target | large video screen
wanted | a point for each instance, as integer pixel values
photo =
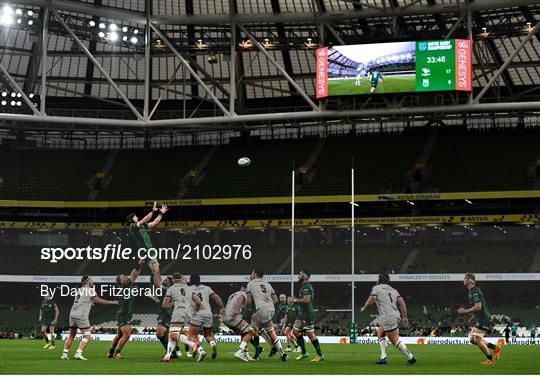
(398, 67)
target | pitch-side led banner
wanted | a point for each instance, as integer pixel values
(395, 67)
(326, 339)
(276, 278)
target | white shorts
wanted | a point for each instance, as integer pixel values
(203, 319)
(389, 322)
(263, 317)
(180, 316)
(236, 323)
(79, 322)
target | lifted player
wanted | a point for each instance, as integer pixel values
(264, 297)
(202, 316)
(48, 316)
(483, 320)
(79, 317)
(387, 300)
(179, 296)
(305, 322)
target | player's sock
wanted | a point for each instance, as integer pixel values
(186, 341)
(317, 347)
(51, 338)
(491, 345)
(255, 342)
(171, 345)
(276, 344)
(66, 351)
(164, 342)
(489, 356)
(117, 351)
(79, 352)
(111, 350)
(301, 343)
(243, 345)
(383, 343)
(404, 350)
(266, 336)
(186, 347)
(46, 338)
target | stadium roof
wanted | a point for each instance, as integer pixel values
(186, 71)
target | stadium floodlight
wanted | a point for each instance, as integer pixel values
(31, 95)
(134, 40)
(6, 20)
(18, 12)
(19, 95)
(102, 25)
(30, 22)
(4, 93)
(124, 29)
(125, 38)
(4, 103)
(113, 36)
(19, 103)
(13, 95)
(12, 103)
(113, 27)
(7, 10)
(92, 23)
(30, 13)
(101, 34)
(135, 31)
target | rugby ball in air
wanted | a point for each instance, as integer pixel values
(244, 161)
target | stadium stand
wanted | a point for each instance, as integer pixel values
(268, 175)
(48, 174)
(502, 163)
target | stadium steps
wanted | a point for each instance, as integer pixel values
(105, 170)
(409, 260)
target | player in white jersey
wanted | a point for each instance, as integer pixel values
(264, 298)
(388, 300)
(233, 319)
(179, 297)
(202, 316)
(79, 316)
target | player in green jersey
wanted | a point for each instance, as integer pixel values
(374, 77)
(305, 322)
(126, 308)
(48, 316)
(291, 313)
(281, 308)
(483, 321)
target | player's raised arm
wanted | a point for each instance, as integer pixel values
(136, 271)
(156, 221)
(403, 308)
(148, 216)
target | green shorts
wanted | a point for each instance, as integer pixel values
(164, 318)
(124, 318)
(483, 323)
(308, 321)
(47, 322)
(289, 324)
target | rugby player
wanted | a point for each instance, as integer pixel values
(79, 317)
(387, 300)
(291, 313)
(306, 316)
(483, 321)
(48, 316)
(124, 315)
(202, 316)
(374, 77)
(264, 297)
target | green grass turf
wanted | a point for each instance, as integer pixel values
(27, 357)
(390, 84)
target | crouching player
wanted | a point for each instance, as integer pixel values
(79, 317)
(387, 300)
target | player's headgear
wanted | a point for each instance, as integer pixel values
(177, 276)
(383, 278)
(194, 280)
(129, 217)
(259, 272)
(470, 276)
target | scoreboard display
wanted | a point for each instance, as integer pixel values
(400, 67)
